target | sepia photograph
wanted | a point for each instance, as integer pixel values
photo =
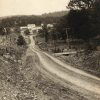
(49, 49)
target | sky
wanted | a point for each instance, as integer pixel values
(31, 7)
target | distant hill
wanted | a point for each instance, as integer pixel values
(23, 20)
(55, 14)
(52, 14)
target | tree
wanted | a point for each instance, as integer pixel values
(27, 32)
(2, 31)
(54, 37)
(82, 20)
(79, 24)
(21, 41)
(61, 28)
(5, 31)
(45, 30)
(81, 4)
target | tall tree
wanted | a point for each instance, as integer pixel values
(81, 4)
(21, 41)
(82, 19)
(45, 30)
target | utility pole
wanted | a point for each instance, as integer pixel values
(67, 38)
(5, 30)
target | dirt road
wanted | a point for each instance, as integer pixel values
(76, 79)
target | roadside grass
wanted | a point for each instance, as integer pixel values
(52, 47)
(87, 61)
(44, 87)
(25, 82)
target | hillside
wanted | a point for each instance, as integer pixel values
(23, 20)
(55, 14)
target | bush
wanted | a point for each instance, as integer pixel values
(21, 41)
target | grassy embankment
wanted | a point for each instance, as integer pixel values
(20, 79)
(87, 61)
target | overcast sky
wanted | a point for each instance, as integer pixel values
(29, 7)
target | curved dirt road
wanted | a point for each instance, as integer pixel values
(82, 82)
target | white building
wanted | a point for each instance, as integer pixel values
(23, 28)
(31, 26)
(33, 29)
(36, 29)
(50, 25)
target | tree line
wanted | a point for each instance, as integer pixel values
(82, 21)
(24, 20)
(18, 21)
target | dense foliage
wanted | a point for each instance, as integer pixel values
(24, 20)
(81, 4)
(82, 21)
(21, 41)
